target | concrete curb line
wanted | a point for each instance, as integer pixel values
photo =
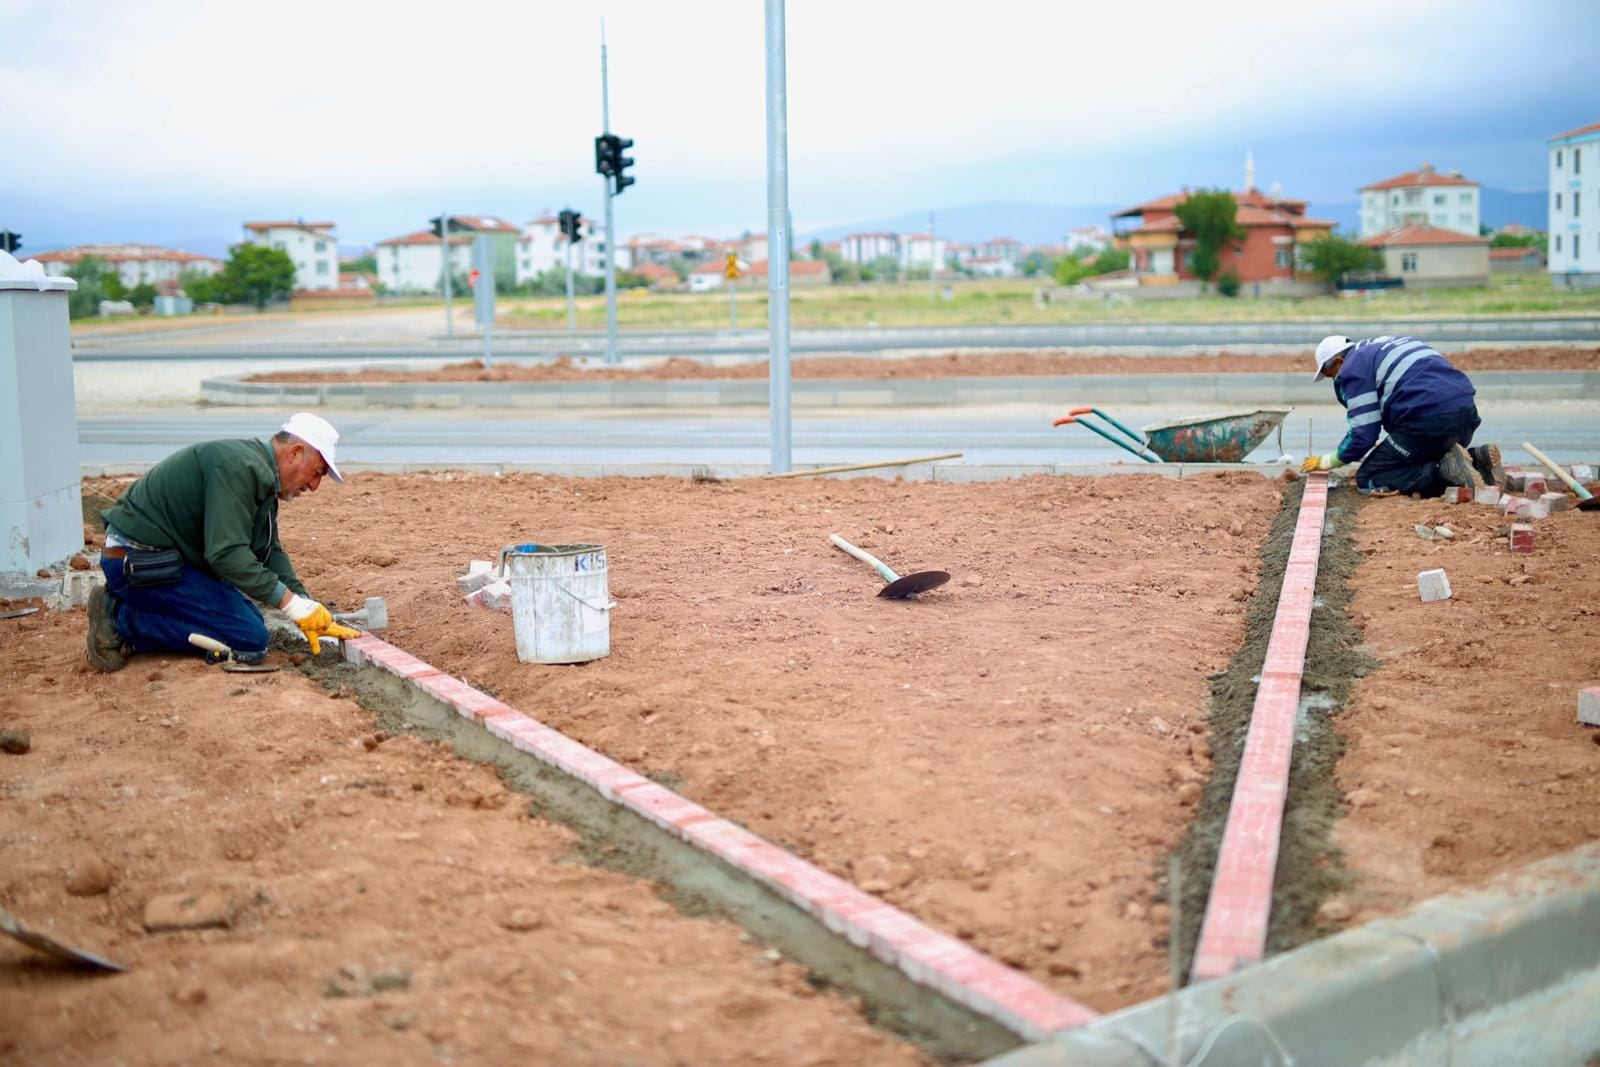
(931, 959)
(232, 390)
(1234, 931)
(1507, 973)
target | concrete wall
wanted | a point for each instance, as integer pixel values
(41, 510)
(1439, 266)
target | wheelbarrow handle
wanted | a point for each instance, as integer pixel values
(1071, 416)
(1134, 442)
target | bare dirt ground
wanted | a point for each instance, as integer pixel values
(951, 365)
(1463, 757)
(1011, 759)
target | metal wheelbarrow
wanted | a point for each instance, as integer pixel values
(1225, 437)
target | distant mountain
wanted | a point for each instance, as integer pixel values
(1032, 224)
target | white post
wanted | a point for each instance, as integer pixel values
(778, 240)
(41, 501)
(444, 253)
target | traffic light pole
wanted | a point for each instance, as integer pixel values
(444, 256)
(778, 239)
(612, 356)
(933, 259)
(572, 311)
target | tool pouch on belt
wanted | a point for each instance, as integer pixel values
(144, 567)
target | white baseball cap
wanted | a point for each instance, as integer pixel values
(319, 433)
(1329, 349)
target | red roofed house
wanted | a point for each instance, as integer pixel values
(1515, 260)
(312, 247)
(1428, 257)
(1159, 251)
(134, 264)
(659, 276)
(412, 263)
(801, 272)
(1420, 197)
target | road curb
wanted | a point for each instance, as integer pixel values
(1507, 973)
(927, 957)
(811, 393)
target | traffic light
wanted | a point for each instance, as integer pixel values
(439, 223)
(610, 162)
(571, 222)
(9, 241)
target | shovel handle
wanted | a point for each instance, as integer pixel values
(870, 560)
(1572, 483)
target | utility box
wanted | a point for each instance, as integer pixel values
(41, 496)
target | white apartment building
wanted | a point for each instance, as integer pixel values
(543, 247)
(312, 247)
(917, 250)
(1007, 249)
(413, 263)
(863, 248)
(1421, 197)
(1575, 208)
(1082, 240)
(134, 264)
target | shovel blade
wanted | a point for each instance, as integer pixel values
(908, 586)
(51, 947)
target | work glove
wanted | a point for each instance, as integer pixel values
(315, 622)
(1321, 463)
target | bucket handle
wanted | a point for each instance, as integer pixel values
(585, 603)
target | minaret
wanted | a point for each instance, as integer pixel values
(1249, 171)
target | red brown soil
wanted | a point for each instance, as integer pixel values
(1464, 758)
(951, 365)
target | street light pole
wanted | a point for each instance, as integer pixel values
(444, 256)
(572, 312)
(933, 244)
(778, 239)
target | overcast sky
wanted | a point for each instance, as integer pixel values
(175, 121)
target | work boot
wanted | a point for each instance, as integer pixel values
(106, 650)
(1456, 468)
(1486, 459)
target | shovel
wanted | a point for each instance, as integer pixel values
(49, 947)
(899, 588)
(1587, 501)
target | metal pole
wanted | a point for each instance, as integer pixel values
(612, 355)
(933, 243)
(572, 311)
(778, 240)
(733, 304)
(444, 255)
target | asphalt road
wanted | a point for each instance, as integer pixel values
(1021, 434)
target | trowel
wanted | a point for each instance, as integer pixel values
(900, 587)
(217, 652)
(50, 947)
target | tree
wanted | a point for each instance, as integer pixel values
(1071, 271)
(885, 267)
(367, 264)
(142, 296)
(1519, 240)
(1037, 263)
(95, 280)
(257, 274)
(1335, 256)
(1210, 216)
(1228, 283)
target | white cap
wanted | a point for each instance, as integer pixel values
(1329, 349)
(317, 432)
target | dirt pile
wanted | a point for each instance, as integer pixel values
(950, 365)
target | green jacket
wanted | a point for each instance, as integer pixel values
(216, 503)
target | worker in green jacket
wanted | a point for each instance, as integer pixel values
(192, 542)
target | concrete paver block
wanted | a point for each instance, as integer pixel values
(1589, 706)
(495, 595)
(1520, 540)
(1532, 509)
(1535, 484)
(1555, 501)
(1433, 585)
(480, 572)
(1510, 504)
(1457, 494)
(1583, 472)
(1489, 495)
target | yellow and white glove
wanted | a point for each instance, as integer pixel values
(1321, 463)
(315, 622)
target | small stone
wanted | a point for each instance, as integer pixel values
(369, 742)
(90, 877)
(1416, 792)
(1334, 910)
(187, 911)
(1189, 793)
(42, 573)
(1235, 528)
(522, 920)
(1135, 911)
(296, 658)
(16, 742)
(1161, 915)
(1424, 532)
(191, 992)
(1444, 533)
(80, 562)
(1063, 969)
(1433, 585)
(1362, 798)
(1180, 773)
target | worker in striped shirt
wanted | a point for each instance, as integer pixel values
(1423, 406)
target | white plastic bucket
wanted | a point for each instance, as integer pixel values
(560, 603)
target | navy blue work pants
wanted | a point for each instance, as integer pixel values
(160, 618)
(1407, 459)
